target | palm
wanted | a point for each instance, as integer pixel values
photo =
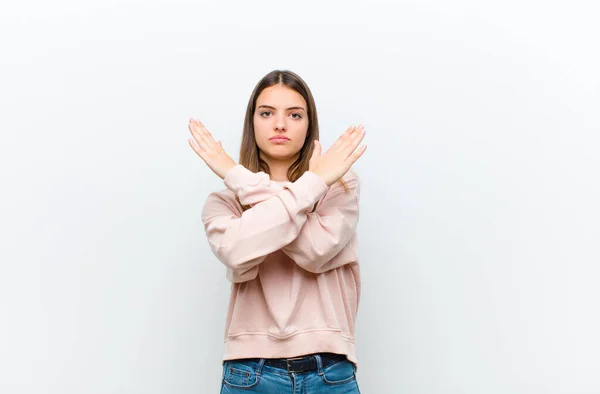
(338, 159)
(209, 150)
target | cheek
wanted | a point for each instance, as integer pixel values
(298, 143)
(260, 133)
(302, 134)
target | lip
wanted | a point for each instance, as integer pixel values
(279, 139)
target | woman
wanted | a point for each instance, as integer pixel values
(285, 230)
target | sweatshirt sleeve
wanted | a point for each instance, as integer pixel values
(241, 241)
(250, 187)
(328, 230)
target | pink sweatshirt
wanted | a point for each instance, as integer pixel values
(295, 273)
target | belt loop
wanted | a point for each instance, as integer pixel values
(261, 363)
(319, 364)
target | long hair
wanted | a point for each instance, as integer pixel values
(249, 151)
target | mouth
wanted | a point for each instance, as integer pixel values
(279, 139)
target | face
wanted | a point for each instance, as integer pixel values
(280, 112)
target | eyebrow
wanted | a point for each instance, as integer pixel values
(268, 106)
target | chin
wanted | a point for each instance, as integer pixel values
(281, 155)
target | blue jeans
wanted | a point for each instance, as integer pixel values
(245, 376)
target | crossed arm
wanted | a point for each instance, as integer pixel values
(280, 217)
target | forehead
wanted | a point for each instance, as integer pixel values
(280, 96)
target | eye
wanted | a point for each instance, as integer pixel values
(299, 116)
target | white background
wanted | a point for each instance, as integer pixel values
(479, 224)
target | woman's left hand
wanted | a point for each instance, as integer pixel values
(210, 151)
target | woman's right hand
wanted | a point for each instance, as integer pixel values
(333, 164)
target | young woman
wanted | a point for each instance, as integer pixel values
(284, 228)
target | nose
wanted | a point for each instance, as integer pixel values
(280, 123)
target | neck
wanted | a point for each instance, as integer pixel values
(279, 174)
(279, 168)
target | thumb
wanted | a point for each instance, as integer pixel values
(317, 150)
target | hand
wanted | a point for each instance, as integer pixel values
(210, 151)
(339, 158)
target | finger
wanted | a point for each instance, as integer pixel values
(206, 141)
(196, 149)
(202, 135)
(317, 149)
(195, 132)
(195, 145)
(198, 130)
(206, 133)
(354, 140)
(196, 122)
(342, 138)
(345, 136)
(347, 142)
(353, 157)
(348, 146)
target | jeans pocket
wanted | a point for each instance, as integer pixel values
(339, 373)
(239, 375)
